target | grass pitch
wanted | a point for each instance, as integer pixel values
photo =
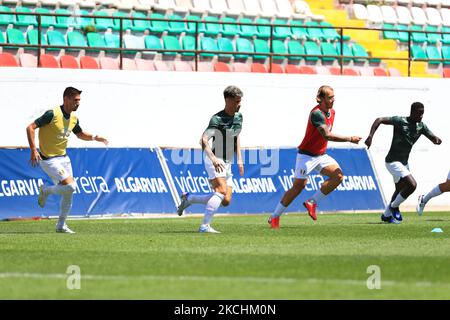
(168, 259)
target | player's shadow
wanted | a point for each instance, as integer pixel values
(179, 232)
(25, 232)
(436, 220)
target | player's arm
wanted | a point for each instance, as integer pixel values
(87, 136)
(328, 135)
(239, 156)
(375, 125)
(430, 135)
(35, 157)
(210, 132)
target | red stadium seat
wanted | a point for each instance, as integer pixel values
(69, 62)
(446, 73)
(8, 60)
(204, 66)
(258, 67)
(48, 61)
(290, 68)
(380, 72)
(109, 63)
(182, 66)
(145, 65)
(221, 67)
(335, 71)
(276, 68)
(350, 72)
(307, 70)
(87, 62)
(161, 66)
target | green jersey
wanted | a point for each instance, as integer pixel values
(224, 129)
(405, 135)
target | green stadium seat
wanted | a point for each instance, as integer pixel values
(278, 47)
(230, 30)
(127, 24)
(328, 49)
(171, 43)
(83, 22)
(263, 31)
(347, 51)
(65, 22)
(210, 29)
(433, 37)
(191, 26)
(2, 37)
(15, 36)
(243, 46)
(311, 48)
(140, 25)
(331, 33)
(298, 29)
(433, 53)
(446, 54)
(445, 37)
(417, 52)
(55, 38)
(102, 24)
(208, 44)
(248, 30)
(188, 43)
(314, 33)
(95, 39)
(32, 37)
(46, 21)
(261, 46)
(403, 36)
(295, 47)
(25, 20)
(225, 45)
(416, 36)
(6, 19)
(359, 51)
(158, 26)
(176, 26)
(281, 32)
(76, 39)
(112, 41)
(387, 34)
(153, 42)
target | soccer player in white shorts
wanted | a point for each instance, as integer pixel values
(436, 191)
(55, 127)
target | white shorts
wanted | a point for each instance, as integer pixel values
(448, 177)
(57, 168)
(398, 170)
(212, 173)
(305, 164)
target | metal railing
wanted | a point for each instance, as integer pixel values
(121, 49)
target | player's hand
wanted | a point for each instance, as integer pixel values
(219, 165)
(241, 168)
(355, 139)
(437, 141)
(101, 139)
(35, 158)
(368, 142)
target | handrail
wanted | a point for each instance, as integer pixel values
(197, 52)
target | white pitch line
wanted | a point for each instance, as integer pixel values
(6, 275)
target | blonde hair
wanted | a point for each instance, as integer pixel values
(322, 92)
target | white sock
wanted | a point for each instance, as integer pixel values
(398, 200)
(433, 193)
(278, 210)
(387, 211)
(203, 199)
(212, 206)
(318, 196)
(66, 205)
(59, 189)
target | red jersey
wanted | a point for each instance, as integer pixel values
(314, 143)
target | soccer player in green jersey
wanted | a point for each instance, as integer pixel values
(224, 128)
(407, 130)
(436, 191)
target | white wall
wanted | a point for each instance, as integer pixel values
(133, 108)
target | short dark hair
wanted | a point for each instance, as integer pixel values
(232, 92)
(417, 105)
(71, 92)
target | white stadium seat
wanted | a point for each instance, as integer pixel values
(419, 16)
(434, 17)
(236, 6)
(389, 15)
(374, 14)
(404, 15)
(445, 13)
(252, 8)
(285, 10)
(268, 8)
(360, 11)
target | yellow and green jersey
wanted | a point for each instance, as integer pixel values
(405, 136)
(224, 129)
(55, 127)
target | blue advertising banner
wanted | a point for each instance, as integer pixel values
(269, 173)
(109, 181)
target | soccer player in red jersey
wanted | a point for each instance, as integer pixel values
(312, 157)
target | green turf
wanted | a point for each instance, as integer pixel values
(168, 259)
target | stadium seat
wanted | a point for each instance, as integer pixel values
(276, 68)
(282, 31)
(188, 43)
(252, 8)
(311, 48)
(404, 15)
(366, 71)
(268, 8)
(28, 60)
(418, 15)
(295, 47)
(323, 70)
(350, 72)
(446, 73)
(221, 67)
(145, 65)
(328, 49)
(263, 28)
(393, 72)
(109, 63)
(248, 29)
(220, 7)
(48, 61)
(389, 15)
(433, 16)
(15, 36)
(433, 53)
(161, 66)
(245, 46)
(225, 45)
(307, 70)
(285, 9)
(258, 68)
(127, 24)
(278, 47)
(433, 37)
(241, 67)
(140, 25)
(158, 26)
(7, 19)
(55, 38)
(182, 66)
(87, 62)
(103, 23)
(25, 20)
(390, 34)
(446, 54)
(380, 72)
(374, 14)
(8, 60)
(298, 30)
(176, 27)
(236, 7)
(69, 62)
(262, 48)
(290, 68)
(208, 44)
(335, 71)
(204, 66)
(314, 34)
(76, 39)
(153, 42)
(230, 30)
(65, 22)
(133, 42)
(32, 37)
(128, 64)
(360, 11)
(445, 14)
(171, 43)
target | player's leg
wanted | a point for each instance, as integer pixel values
(220, 188)
(436, 191)
(405, 184)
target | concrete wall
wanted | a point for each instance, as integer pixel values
(133, 108)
